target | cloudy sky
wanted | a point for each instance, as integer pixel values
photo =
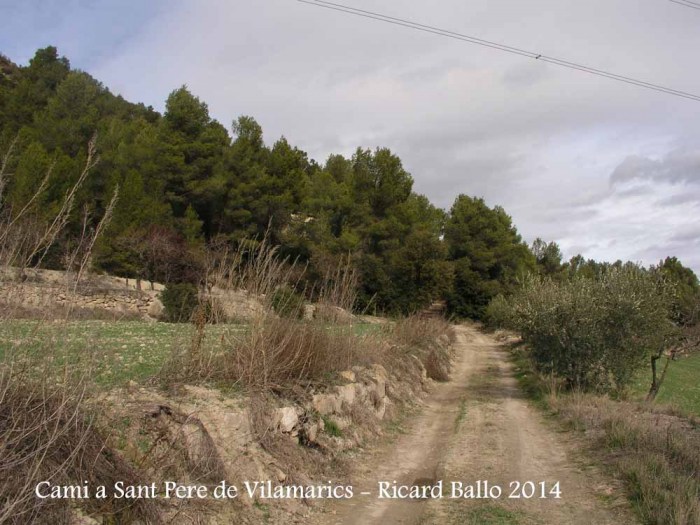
(605, 169)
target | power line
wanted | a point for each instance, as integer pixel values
(686, 3)
(500, 47)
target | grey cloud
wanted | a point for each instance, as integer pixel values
(691, 236)
(635, 190)
(680, 165)
(524, 76)
(689, 196)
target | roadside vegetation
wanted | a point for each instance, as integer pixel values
(681, 387)
(59, 376)
(654, 449)
(594, 341)
(92, 183)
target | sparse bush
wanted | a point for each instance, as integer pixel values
(421, 332)
(429, 339)
(594, 333)
(179, 302)
(48, 433)
(497, 312)
(339, 287)
(287, 303)
(276, 353)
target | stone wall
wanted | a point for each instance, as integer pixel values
(48, 297)
(49, 291)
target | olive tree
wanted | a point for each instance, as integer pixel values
(594, 333)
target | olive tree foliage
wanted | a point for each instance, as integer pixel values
(595, 334)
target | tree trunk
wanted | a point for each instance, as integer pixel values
(656, 382)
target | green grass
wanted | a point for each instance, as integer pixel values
(331, 427)
(361, 329)
(357, 329)
(122, 350)
(681, 387)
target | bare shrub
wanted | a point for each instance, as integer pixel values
(253, 266)
(339, 287)
(24, 238)
(429, 338)
(48, 431)
(48, 434)
(284, 351)
(274, 354)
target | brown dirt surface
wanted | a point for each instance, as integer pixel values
(479, 426)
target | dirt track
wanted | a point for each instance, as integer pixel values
(475, 427)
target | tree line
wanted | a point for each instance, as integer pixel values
(187, 185)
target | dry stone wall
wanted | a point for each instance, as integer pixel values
(48, 297)
(45, 291)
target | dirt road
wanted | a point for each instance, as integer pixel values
(477, 427)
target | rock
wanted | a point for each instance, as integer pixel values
(421, 367)
(288, 419)
(281, 476)
(360, 391)
(156, 410)
(348, 375)
(311, 431)
(309, 310)
(202, 455)
(79, 518)
(346, 394)
(379, 376)
(379, 371)
(326, 404)
(156, 309)
(380, 410)
(333, 314)
(237, 304)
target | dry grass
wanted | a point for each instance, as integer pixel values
(654, 448)
(282, 354)
(273, 354)
(656, 452)
(430, 339)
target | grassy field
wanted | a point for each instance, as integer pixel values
(681, 386)
(121, 351)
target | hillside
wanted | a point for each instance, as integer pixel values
(186, 181)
